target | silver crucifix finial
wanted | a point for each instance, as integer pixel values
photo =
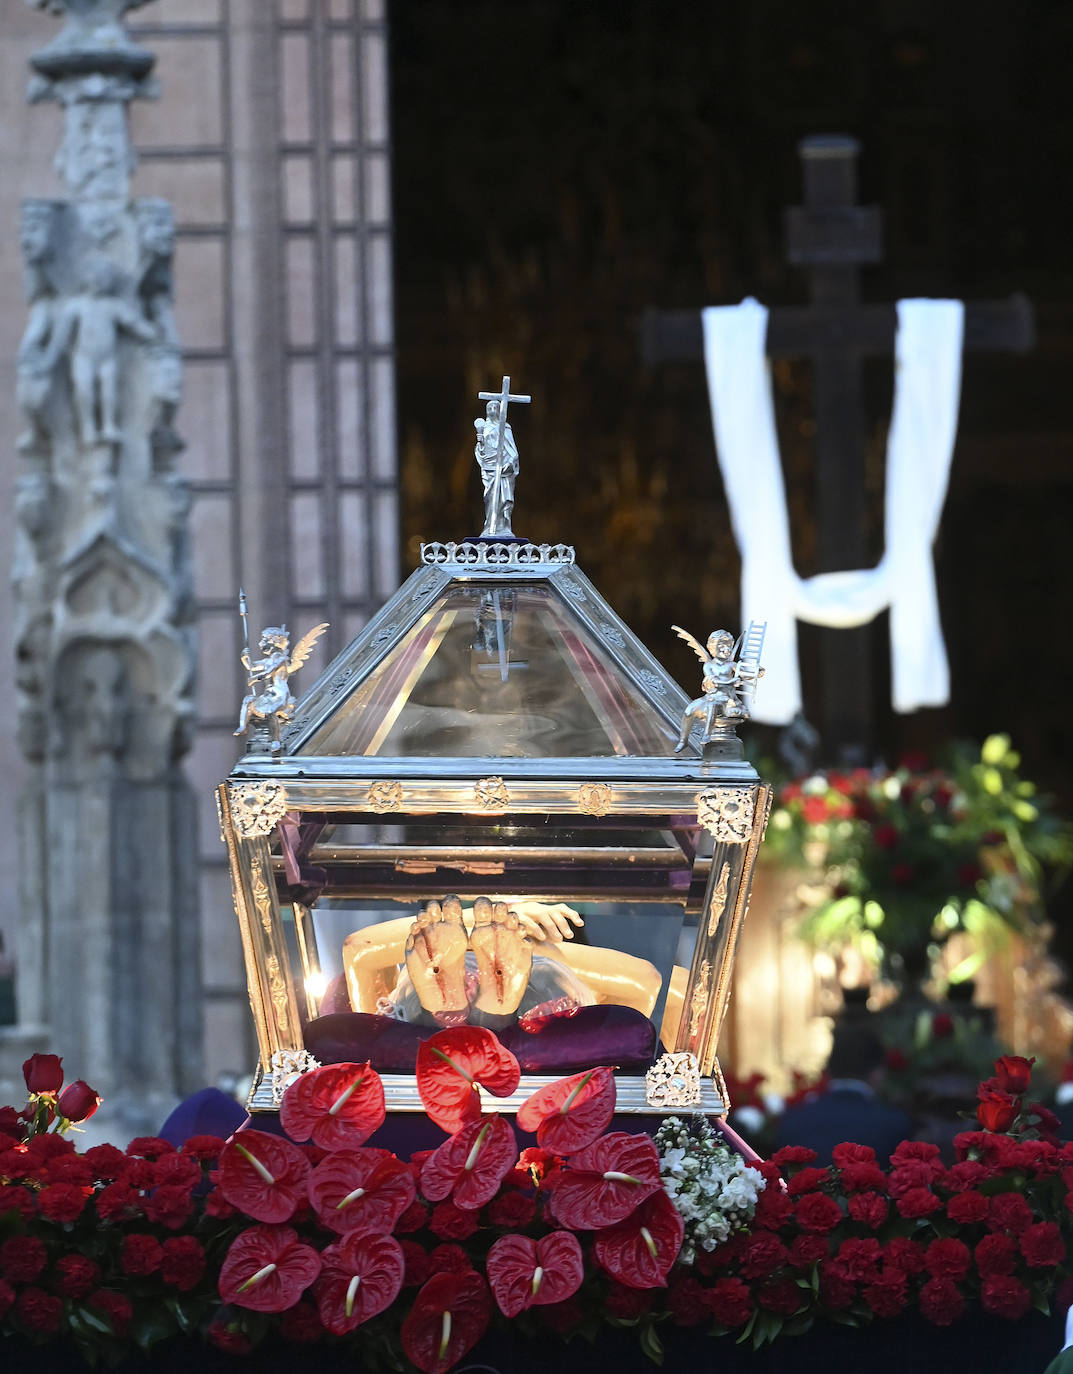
(497, 457)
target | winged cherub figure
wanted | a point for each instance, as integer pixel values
(270, 697)
(728, 683)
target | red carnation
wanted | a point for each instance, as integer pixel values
(904, 1254)
(449, 1316)
(817, 1212)
(40, 1313)
(764, 1253)
(140, 1254)
(1009, 1212)
(62, 1202)
(7, 1297)
(116, 1201)
(78, 1101)
(1005, 1297)
(416, 1259)
(267, 1269)
(640, 1250)
(106, 1162)
(730, 1302)
(1042, 1245)
(807, 1250)
(361, 1276)
(511, 1210)
(808, 1180)
(182, 1262)
(836, 1290)
(773, 1209)
(263, 1175)
(178, 1170)
(941, 1301)
(338, 1106)
(75, 1276)
(413, 1219)
(917, 1152)
(115, 1308)
(780, 1295)
(850, 1153)
(301, 1324)
(22, 1258)
(1013, 1073)
(965, 1208)
(229, 1337)
(43, 1073)
(449, 1222)
(887, 1295)
(942, 1025)
(170, 1206)
(15, 1198)
(205, 1148)
(947, 1259)
(870, 1209)
(448, 1259)
(858, 1259)
(687, 1301)
(150, 1147)
(523, 1273)
(996, 1255)
(918, 1202)
(793, 1154)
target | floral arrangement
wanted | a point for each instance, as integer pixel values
(908, 856)
(321, 1237)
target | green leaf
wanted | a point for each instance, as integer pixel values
(151, 1325)
(651, 1344)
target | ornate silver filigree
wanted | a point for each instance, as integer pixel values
(491, 794)
(256, 806)
(594, 798)
(472, 555)
(727, 813)
(673, 1081)
(385, 796)
(612, 635)
(285, 1067)
(719, 899)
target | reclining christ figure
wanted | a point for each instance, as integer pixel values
(489, 965)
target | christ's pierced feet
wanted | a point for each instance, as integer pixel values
(436, 959)
(504, 958)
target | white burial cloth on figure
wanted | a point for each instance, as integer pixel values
(920, 445)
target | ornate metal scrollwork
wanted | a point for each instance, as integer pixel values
(594, 798)
(385, 796)
(673, 1081)
(698, 1003)
(491, 794)
(277, 991)
(285, 1067)
(256, 806)
(727, 813)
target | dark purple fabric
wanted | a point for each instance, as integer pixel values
(593, 1035)
(208, 1112)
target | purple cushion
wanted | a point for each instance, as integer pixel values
(614, 1035)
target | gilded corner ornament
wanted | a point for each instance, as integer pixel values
(727, 813)
(491, 794)
(698, 1003)
(256, 806)
(285, 1067)
(385, 796)
(594, 798)
(673, 1081)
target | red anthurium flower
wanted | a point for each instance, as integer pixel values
(525, 1273)
(360, 1276)
(363, 1189)
(640, 1250)
(43, 1073)
(449, 1316)
(470, 1166)
(571, 1113)
(263, 1175)
(78, 1101)
(338, 1106)
(267, 1269)
(449, 1066)
(606, 1182)
(1014, 1073)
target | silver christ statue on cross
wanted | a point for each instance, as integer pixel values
(497, 457)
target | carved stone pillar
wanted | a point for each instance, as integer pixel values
(104, 604)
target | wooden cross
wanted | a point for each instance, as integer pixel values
(832, 237)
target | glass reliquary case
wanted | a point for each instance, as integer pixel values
(478, 815)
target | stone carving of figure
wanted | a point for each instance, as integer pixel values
(270, 697)
(34, 362)
(156, 246)
(88, 327)
(498, 471)
(728, 685)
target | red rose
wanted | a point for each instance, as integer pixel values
(415, 1216)
(1005, 1297)
(1009, 1212)
(947, 1259)
(512, 1210)
(941, 1302)
(805, 1251)
(918, 1202)
(140, 1254)
(22, 1258)
(40, 1313)
(62, 1202)
(628, 1303)
(1042, 1245)
(886, 1297)
(997, 1110)
(966, 1208)
(452, 1223)
(808, 1180)
(78, 1101)
(150, 1147)
(730, 1302)
(182, 1262)
(868, 1208)
(418, 1268)
(448, 1259)
(229, 1337)
(817, 1212)
(1014, 1073)
(75, 1276)
(301, 1324)
(43, 1073)
(687, 1301)
(942, 1025)
(764, 1253)
(995, 1255)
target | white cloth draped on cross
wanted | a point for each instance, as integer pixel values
(919, 449)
